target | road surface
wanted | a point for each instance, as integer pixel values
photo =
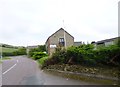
(21, 70)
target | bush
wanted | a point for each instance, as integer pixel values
(38, 55)
(86, 55)
(20, 51)
(42, 60)
(8, 54)
(59, 56)
(41, 48)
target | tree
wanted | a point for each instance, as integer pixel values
(42, 48)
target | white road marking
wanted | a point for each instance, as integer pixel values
(17, 61)
(10, 68)
(67, 79)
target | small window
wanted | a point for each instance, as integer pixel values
(61, 42)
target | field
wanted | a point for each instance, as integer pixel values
(8, 49)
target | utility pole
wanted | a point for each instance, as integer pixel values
(63, 24)
(64, 34)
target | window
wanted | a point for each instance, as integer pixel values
(61, 42)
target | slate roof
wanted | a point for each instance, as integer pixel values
(58, 31)
(107, 40)
(77, 43)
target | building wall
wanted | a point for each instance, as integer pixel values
(54, 40)
(69, 40)
(109, 43)
(106, 43)
(77, 43)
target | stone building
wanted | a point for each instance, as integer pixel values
(60, 38)
(106, 42)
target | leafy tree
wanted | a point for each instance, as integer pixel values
(41, 48)
(21, 51)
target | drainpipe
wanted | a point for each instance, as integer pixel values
(64, 38)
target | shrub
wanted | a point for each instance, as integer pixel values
(86, 55)
(20, 51)
(42, 60)
(41, 48)
(38, 55)
(8, 54)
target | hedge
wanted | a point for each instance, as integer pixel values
(87, 55)
(38, 55)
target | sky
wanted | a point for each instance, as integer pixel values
(31, 22)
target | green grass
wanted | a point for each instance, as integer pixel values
(6, 58)
(41, 61)
(4, 49)
(0, 61)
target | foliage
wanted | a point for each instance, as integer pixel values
(86, 55)
(118, 42)
(108, 55)
(41, 48)
(9, 46)
(8, 54)
(20, 51)
(42, 60)
(4, 49)
(57, 57)
(6, 58)
(31, 52)
(38, 55)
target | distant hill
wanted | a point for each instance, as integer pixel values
(8, 46)
(10, 50)
(11, 46)
(4, 49)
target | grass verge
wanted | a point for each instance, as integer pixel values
(0, 61)
(41, 61)
(4, 49)
(83, 78)
(105, 71)
(6, 58)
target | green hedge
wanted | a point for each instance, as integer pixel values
(87, 55)
(41, 48)
(20, 51)
(38, 55)
(42, 60)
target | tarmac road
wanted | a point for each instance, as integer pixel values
(21, 70)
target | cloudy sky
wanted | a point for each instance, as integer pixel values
(31, 22)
